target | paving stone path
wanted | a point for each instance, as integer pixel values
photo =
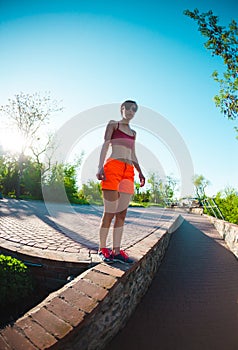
(64, 228)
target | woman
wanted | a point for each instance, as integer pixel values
(117, 180)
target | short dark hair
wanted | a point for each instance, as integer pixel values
(129, 102)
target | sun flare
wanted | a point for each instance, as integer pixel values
(11, 141)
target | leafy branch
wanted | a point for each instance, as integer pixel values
(221, 42)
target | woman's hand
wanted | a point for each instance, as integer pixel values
(142, 179)
(101, 175)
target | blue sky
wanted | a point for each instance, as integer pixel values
(90, 53)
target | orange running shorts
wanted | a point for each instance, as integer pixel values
(119, 176)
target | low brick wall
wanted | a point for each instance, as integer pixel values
(50, 273)
(228, 231)
(87, 312)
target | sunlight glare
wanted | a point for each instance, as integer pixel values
(11, 141)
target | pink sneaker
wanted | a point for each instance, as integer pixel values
(123, 258)
(106, 255)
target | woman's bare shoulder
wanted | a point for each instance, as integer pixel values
(111, 126)
(113, 122)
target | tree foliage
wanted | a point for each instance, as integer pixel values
(63, 177)
(227, 202)
(59, 177)
(200, 183)
(160, 191)
(30, 184)
(222, 42)
(27, 114)
(8, 174)
(92, 192)
(16, 282)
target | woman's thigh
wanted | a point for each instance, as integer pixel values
(110, 200)
(123, 201)
(115, 202)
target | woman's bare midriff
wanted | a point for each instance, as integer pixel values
(124, 154)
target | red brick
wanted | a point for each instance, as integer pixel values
(109, 270)
(65, 311)
(101, 279)
(16, 340)
(52, 323)
(36, 333)
(90, 289)
(3, 344)
(79, 300)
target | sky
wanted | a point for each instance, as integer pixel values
(96, 53)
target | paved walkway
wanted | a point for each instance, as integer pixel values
(192, 303)
(58, 228)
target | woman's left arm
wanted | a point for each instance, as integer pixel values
(137, 166)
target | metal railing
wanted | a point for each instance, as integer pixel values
(212, 208)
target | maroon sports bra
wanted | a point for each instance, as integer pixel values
(121, 138)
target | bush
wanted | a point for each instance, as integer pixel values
(228, 204)
(16, 282)
(92, 192)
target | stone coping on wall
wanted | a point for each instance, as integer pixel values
(44, 254)
(228, 232)
(50, 269)
(88, 311)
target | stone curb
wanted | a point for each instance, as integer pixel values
(228, 232)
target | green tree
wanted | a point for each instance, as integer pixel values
(8, 174)
(142, 197)
(227, 202)
(30, 184)
(70, 181)
(168, 189)
(221, 42)
(155, 187)
(200, 184)
(162, 190)
(60, 178)
(31, 179)
(92, 192)
(27, 114)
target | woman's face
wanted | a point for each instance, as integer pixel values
(128, 111)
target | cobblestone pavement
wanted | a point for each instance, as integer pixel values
(70, 229)
(192, 303)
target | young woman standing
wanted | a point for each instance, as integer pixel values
(117, 180)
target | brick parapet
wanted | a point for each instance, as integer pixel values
(87, 312)
(46, 271)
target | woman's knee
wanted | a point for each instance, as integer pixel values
(120, 216)
(107, 219)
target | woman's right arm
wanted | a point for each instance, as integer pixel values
(107, 139)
